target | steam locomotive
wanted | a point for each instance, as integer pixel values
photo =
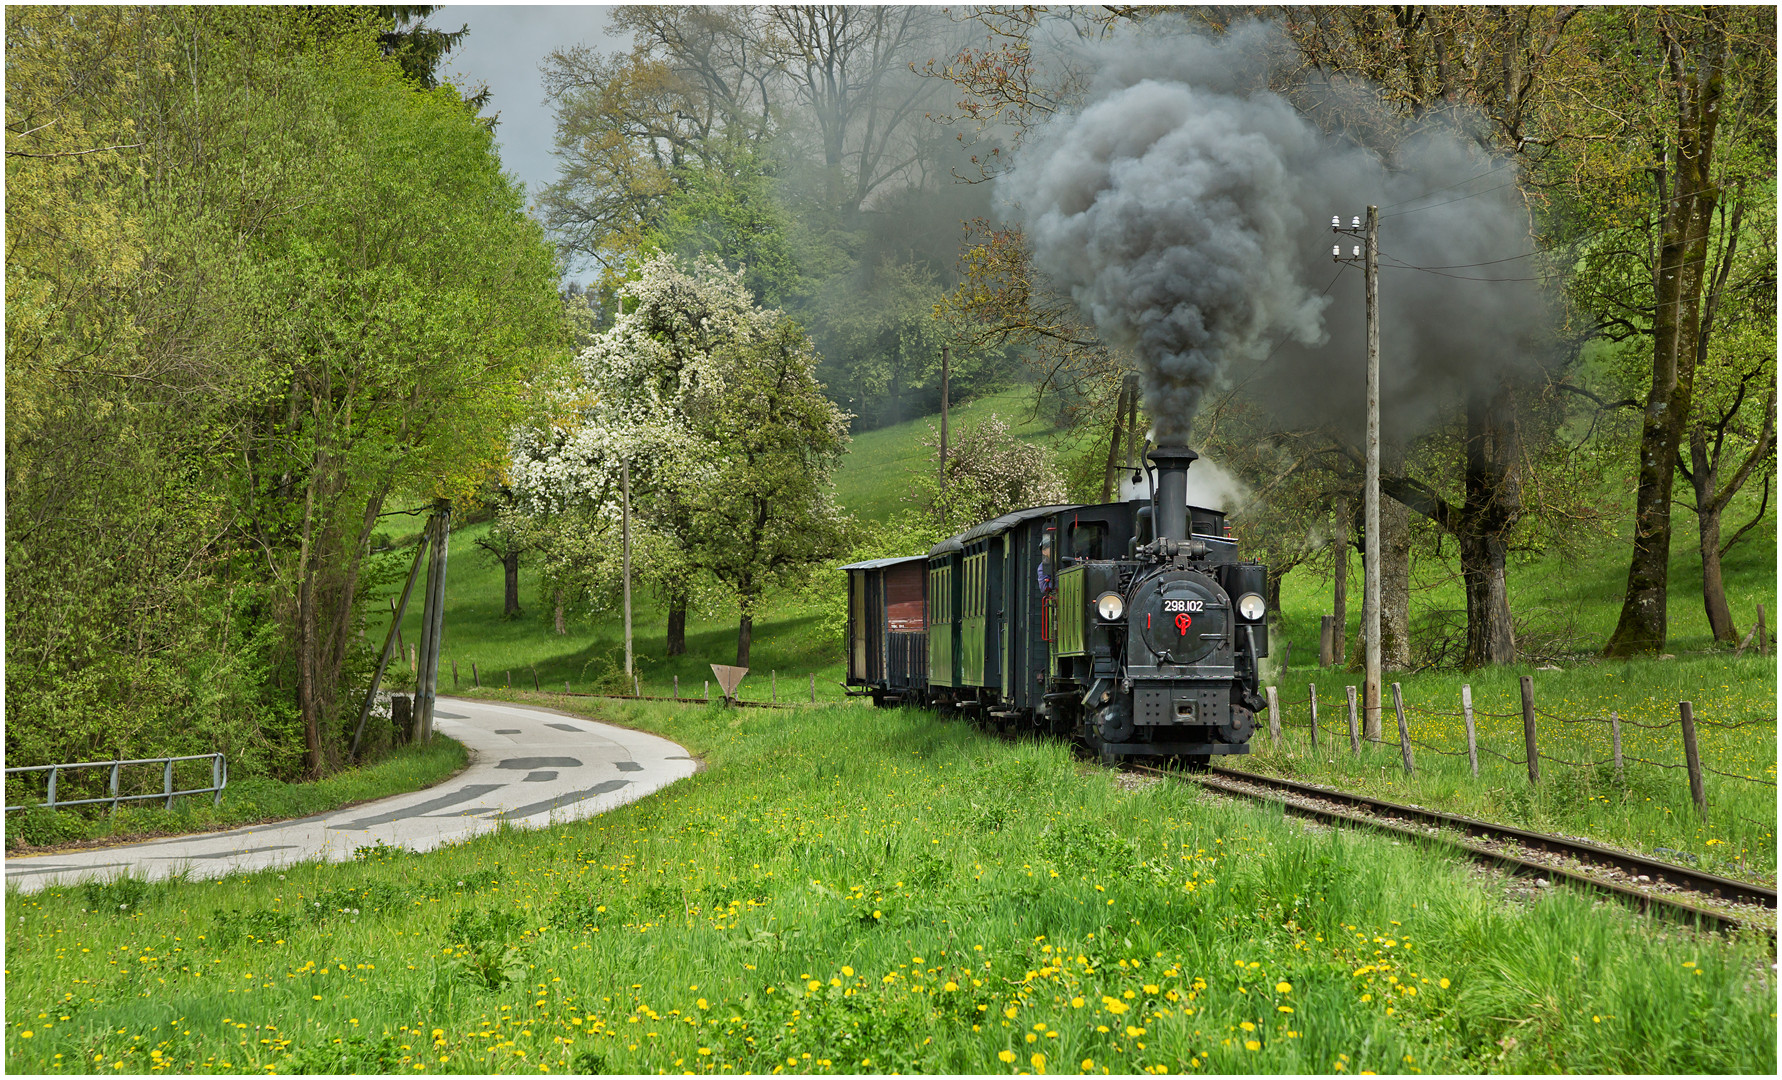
(1133, 627)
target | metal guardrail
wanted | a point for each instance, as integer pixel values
(219, 776)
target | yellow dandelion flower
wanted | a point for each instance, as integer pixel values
(1283, 988)
(1038, 1061)
(1252, 1044)
(1006, 1055)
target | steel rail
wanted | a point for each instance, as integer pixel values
(1226, 781)
(1697, 881)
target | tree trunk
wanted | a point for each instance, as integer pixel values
(1490, 508)
(745, 632)
(510, 572)
(1678, 276)
(677, 625)
(1720, 619)
(1395, 573)
(1339, 600)
(1712, 499)
(1490, 635)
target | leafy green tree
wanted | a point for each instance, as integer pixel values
(299, 336)
(766, 512)
(1653, 190)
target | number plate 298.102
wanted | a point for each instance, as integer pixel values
(1183, 605)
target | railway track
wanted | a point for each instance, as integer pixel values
(1649, 885)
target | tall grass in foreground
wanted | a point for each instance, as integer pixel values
(1647, 808)
(846, 889)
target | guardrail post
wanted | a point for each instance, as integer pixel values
(1693, 759)
(1404, 733)
(216, 779)
(1472, 738)
(1615, 734)
(708, 691)
(115, 766)
(1274, 717)
(168, 774)
(1313, 687)
(1354, 733)
(1528, 730)
(52, 788)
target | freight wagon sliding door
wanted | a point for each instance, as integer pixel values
(857, 623)
(906, 615)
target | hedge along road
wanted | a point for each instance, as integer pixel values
(528, 767)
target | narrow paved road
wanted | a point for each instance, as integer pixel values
(528, 767)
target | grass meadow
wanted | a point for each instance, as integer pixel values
(845, 889)
(1647, 808)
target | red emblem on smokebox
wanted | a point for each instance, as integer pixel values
(1183, 622)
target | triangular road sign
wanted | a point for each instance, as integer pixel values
(729, 678)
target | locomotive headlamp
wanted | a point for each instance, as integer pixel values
(1251, 607)
(1109, 606)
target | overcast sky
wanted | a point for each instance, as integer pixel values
(503, 49)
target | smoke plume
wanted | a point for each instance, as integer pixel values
(1186, 208)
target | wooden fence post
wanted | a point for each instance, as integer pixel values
(1528, 730)
(1313, 688)
(1404, 733)
(677, 688)
(708, 691)
(535, 683)
(454, 673)
(636, 685)
(1354, 734)
(1274, 717)
(1472, 738)
(510, 679)
(1763, 634)
(1615, 734)
(1693, 759)
(773, 686)
(475, 679)
(813, 688)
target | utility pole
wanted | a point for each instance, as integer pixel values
(946, 372)
(1370, 605)
(625, 533)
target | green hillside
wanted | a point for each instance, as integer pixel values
(1565, 599)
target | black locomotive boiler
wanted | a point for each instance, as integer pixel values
(1134, 627)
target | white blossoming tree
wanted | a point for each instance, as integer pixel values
(713, 402)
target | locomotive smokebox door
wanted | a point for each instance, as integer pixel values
(1185, 617)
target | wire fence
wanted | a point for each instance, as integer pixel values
(1531, 718)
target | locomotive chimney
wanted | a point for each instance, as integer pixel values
(1172, 490)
